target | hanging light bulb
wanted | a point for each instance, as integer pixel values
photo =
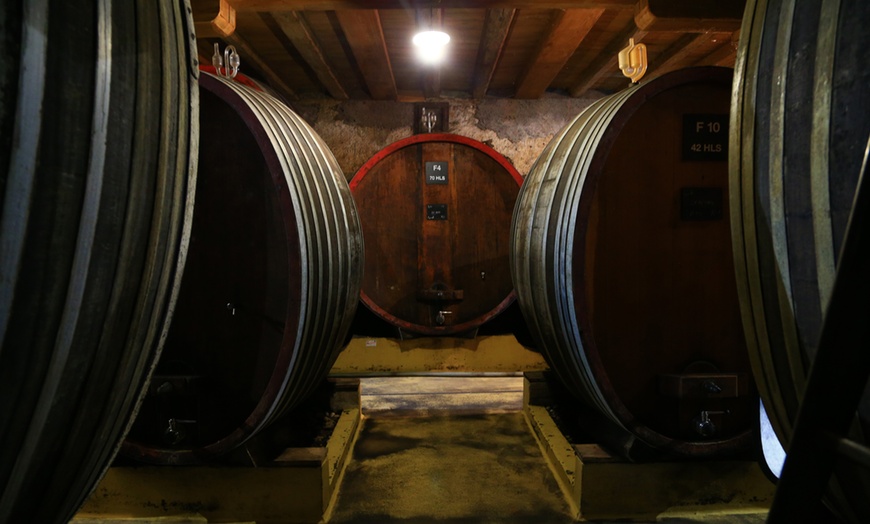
(431, 46)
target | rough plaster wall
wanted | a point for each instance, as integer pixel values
(518, 129)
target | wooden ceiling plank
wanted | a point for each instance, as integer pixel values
(689, 16)
(249, 54)
(675, 55)
(496, 28)
(296, 29)
(336, 5)
(566, 33)
(362, 28)
(606, 61)
(213, 18)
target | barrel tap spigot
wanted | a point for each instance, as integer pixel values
(439, 318)
(704, 426)
(174, 433)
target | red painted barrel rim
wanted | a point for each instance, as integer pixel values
(240, 78)
(422, 139)
(434, 137)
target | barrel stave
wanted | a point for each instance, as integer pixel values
(800, 118)
(94, 217)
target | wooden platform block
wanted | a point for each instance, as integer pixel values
(598, 485)
(536, 389)
(300, 486)
(441, 395)
(345, 393)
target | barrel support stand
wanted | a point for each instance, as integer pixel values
(600, 485)
(299, 486)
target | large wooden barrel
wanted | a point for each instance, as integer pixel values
(271, 284)
(98, 106)
(435, 211)
(621, 257)
(800, 120)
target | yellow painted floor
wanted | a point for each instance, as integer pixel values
(447, 450)
(453, 450)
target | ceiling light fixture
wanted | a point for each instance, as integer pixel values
(431, 46)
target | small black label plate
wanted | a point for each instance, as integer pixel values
(700, 203)
(436, 211)
(436, 172)
(705, 137)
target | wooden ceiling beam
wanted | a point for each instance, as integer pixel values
(723, 55)
(362, 28)
(336, 5)
(689, 16)
(249, 54)
(674, 57)
(432, 83)
(213, 18)
(606, 61)
(295, 28)
(566, 33)
(496, 28)
(431, 75)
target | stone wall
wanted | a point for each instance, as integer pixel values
(518, 129)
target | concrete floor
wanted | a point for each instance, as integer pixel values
(442, 467)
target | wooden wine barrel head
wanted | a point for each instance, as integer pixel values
(622, 262)
(800, 120)
(435, 211)
(271, 284)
